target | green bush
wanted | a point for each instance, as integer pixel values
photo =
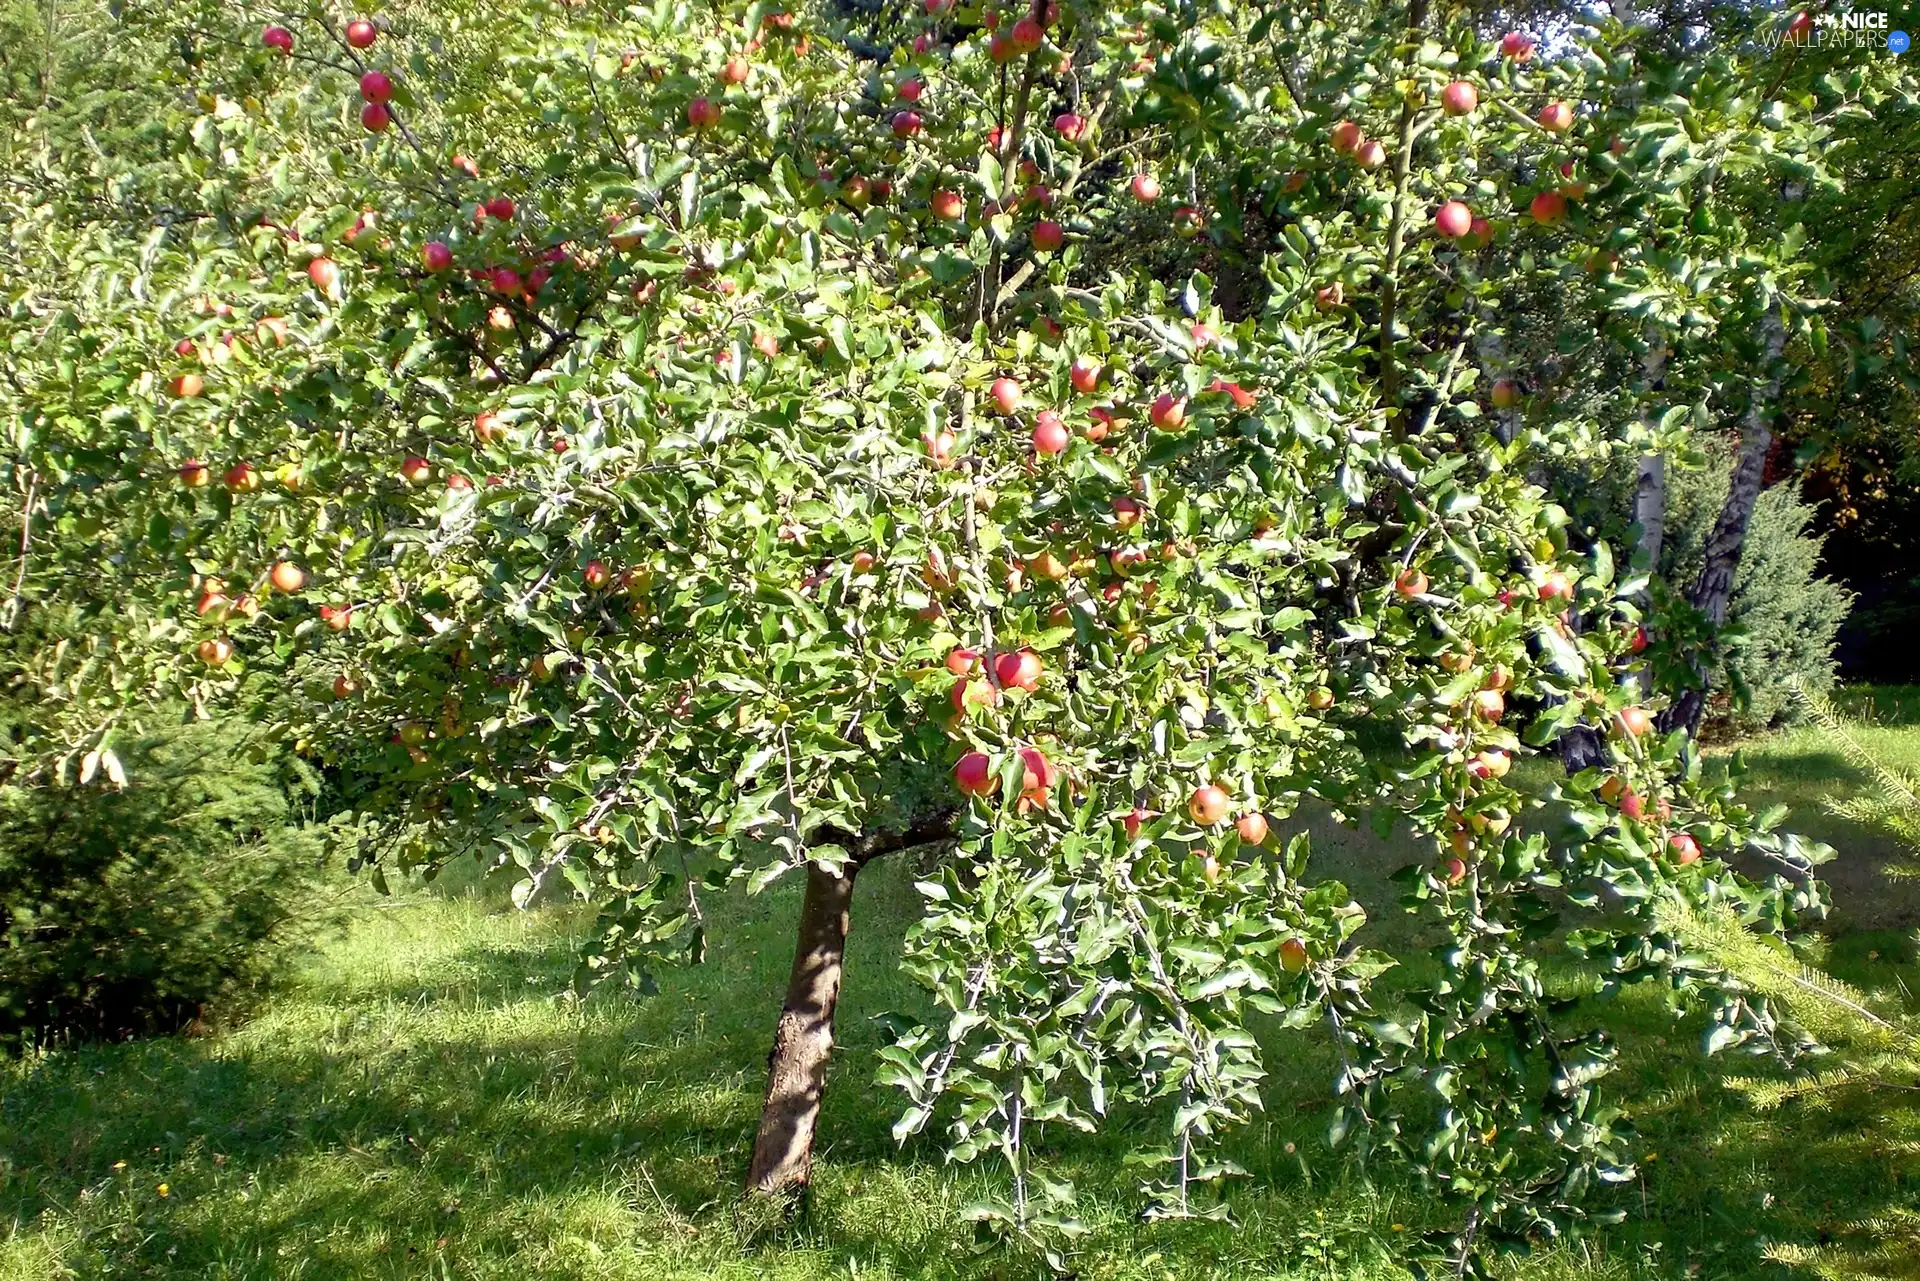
(1789, 615)
(139, 910)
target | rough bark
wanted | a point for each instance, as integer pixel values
(1713, 589)
(782, 1163)
(803, 1038)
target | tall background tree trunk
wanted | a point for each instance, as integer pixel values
(803, 1038)
(1650, 480)
(1713, 589)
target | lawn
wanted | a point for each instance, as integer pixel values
(424, 1101)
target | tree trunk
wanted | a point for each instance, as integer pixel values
(803, 1038)
(782, 1162)
(1713, 589)
(1650, 482)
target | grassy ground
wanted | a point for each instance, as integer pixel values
(421, 1103)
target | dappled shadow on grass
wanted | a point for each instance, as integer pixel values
(423, 1097)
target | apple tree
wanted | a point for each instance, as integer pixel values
(685, 443)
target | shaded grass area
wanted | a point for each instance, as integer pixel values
(1801, 768)
(423, 1103)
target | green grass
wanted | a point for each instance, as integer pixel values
(422, 1102)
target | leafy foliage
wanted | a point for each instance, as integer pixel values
(140, 909)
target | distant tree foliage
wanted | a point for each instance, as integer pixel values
(1788, 611)
(136, 910)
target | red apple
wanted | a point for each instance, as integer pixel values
(1208, 805)
(1555, 586)
(1252, 828)
(415, 470)
(911, 89)
(1685, 848)
(1800, 24)
(1329, 297)
(325, 275)
(287, 577)
(1556, 116)
(1006, 395)
(1188, 222)
(1050, 435)
(1026, 36)
(1146, 188)
(862, 561)
(1084, 374)
(1169, 413)
(1320, 698)
(361, 33)
(703, 113)
(1548, 208)
(1135, 819)
(242, 478)
(1516, 46)
(1048, 236)
(1631, 805)
(1040, 773)
(337, 617)
(1489, 704)
(1293, 956)
(215, 651)
(1635, 720)
(1456, 870)
(960, 660)
(906, 124)
(1459, 98)
(488, 427)
(1490, 763)
(736, 70)
(1070, 126)
(375, 117)
(1018, 669)
(973, 774)
(1639, 640)
(195, 474)
(974, 693)
(500, 207)
(1371, 154)
(186, 386)
(1127, 512)
(1506, 393)
(376, 86)
(596, 574)
(1410, 583)
(948, 206)
(1347, 136)
(459, 483)
(1453, 220)
(436, 256)
(277, 38)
